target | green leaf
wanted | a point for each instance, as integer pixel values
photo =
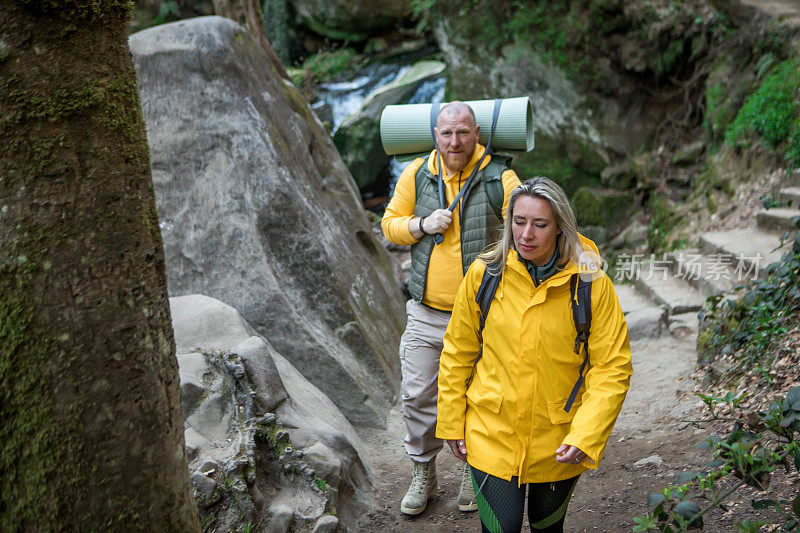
(796, 505)
(685, 477)
(764, 504)
(655, 499)
(687, 510)
(748, 526)
(789, 420)
(793, 396)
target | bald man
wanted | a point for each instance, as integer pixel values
(413, 217)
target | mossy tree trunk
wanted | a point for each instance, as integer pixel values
(92, 431)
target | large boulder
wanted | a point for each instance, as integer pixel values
(264, 445)
(352, 20)
(258, 210)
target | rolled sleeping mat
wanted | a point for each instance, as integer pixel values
(406, 129)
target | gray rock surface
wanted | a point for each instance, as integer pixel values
(646, 323)
(326, 524)
(654, 460)
(280, 520)
(258, 210)
(266, 445)
(353, 20)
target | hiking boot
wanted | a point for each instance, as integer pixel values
(466, 494)
(423, 486)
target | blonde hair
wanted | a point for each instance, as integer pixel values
(568, 242)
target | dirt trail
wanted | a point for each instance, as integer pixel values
(606, 499)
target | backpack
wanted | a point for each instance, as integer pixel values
(581, 315)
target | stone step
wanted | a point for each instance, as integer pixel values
(777, 218)
(630, 299)
(710, 274)
(793, 179)
(753, 247)
(654, 279)
(790, 197)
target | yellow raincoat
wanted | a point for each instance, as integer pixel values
(512, 414)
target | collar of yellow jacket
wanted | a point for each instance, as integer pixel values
(562, 275)
(467, 170)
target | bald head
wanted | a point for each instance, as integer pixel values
(457, 133)
(455, 109)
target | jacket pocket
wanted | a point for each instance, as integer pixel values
(483, 396)
(557, 414)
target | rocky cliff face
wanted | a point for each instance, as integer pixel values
(258, 210)
(352, 20)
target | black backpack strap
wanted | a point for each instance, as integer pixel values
(582, 316)
(496, 194)
(484, 297)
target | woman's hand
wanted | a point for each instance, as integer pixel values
(459, 449)
(568, 454)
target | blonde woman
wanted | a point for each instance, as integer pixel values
(505, 404)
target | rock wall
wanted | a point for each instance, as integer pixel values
(264, 445)
(258, 210)
(352, 20)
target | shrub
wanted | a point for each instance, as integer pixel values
(772, 112)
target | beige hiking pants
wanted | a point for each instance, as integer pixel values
(420, 349)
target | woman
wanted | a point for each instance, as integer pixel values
(503, 403)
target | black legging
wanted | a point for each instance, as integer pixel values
(501, 503)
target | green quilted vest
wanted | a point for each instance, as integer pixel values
(480, 220)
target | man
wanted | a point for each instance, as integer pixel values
(413, 217)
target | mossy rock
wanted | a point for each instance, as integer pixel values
(730, 166)
(618, 176)
(689, 154)
(550, 159)
(598, 234)
(363, 156)
(646, 169)
(595, 206)
(587, 156)
(665, 218)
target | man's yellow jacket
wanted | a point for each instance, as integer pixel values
(511, 414)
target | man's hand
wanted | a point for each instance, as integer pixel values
(459, 448)
(569, 454)
(436, 222)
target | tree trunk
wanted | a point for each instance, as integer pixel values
(91, 437)
(248, 13)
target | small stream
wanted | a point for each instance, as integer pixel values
(346, 97)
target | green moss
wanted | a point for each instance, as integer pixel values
(772, 112)
(705, 342)
(664, 219)
(599, 207)
(719, 113)
(333, 33)
(33, 445)
(667, 59)
(550, 159)
(360, 151)
(327, 65)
